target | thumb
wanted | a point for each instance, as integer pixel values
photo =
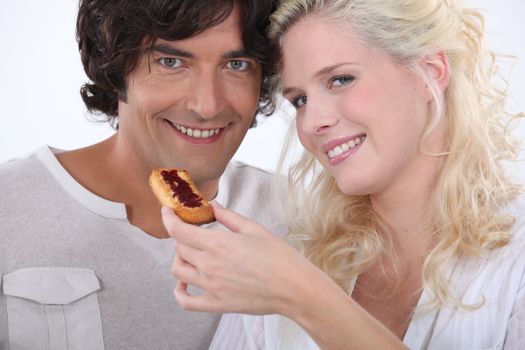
(170, 220)
(233, 221)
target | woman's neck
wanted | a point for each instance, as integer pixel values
(405, 209)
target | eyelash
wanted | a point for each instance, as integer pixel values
(245, 64)
(347, 79)
(344, 80)
(163, 60)
(295, 101)
(177, 62)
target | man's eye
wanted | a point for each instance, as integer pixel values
(343, 80)
(170, 62)
(299, 101)
(239, 65)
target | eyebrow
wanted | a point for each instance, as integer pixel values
(170, 50)
(237, 53)
(173, 51)
(321, 72)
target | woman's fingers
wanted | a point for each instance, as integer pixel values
(183, 232)
(185, 271)
(188, 275)
(189, 254)
(231, 269)
(182, 295)
(196, 302)
(233, 221)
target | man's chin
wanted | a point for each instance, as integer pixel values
(206, 170)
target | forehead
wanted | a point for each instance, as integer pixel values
(313, 43)
(226, 35)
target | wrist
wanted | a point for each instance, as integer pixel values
(312, 291)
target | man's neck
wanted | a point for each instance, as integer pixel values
(105, 171)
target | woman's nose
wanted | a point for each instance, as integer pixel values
(317, 116)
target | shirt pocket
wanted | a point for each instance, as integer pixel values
(53, 308)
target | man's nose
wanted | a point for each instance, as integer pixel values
(206, 97)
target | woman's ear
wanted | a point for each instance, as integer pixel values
(438, 69)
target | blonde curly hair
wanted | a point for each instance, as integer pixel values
(341, 234)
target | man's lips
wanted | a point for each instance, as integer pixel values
(195, 132)
(197, 135)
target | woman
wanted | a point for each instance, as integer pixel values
(410, 212)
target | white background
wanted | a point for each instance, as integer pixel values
(41, 74)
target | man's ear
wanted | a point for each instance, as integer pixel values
(438, 69)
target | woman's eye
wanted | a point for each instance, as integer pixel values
(339, 81)
(299, 101)
(238, 65)
(170, 62)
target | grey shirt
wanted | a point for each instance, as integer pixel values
(77, 275)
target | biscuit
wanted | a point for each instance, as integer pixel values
(175, 189)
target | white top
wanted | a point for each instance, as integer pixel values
(75, 274)
(498, 281)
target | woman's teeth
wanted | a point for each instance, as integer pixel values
(197, 133)
(342, 148)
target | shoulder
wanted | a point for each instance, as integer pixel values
(14, 165)
(248, 177)
(512, 255)
(240, 170)
(506, 265)
(18, 172)
(20, 181)
(26, 181)
(516, 210)
(501, 266)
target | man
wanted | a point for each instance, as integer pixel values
(85, 260)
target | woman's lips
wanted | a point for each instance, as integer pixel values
(341, 149)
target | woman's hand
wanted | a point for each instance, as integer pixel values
(248, 270)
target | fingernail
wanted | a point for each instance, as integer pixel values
(165, 211)
(216, 204)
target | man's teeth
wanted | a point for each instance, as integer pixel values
(342, 148)
(196, 132)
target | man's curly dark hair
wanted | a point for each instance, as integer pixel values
(112, 34)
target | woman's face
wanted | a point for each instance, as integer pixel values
(359, 113)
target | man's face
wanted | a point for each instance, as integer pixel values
(190, 102)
